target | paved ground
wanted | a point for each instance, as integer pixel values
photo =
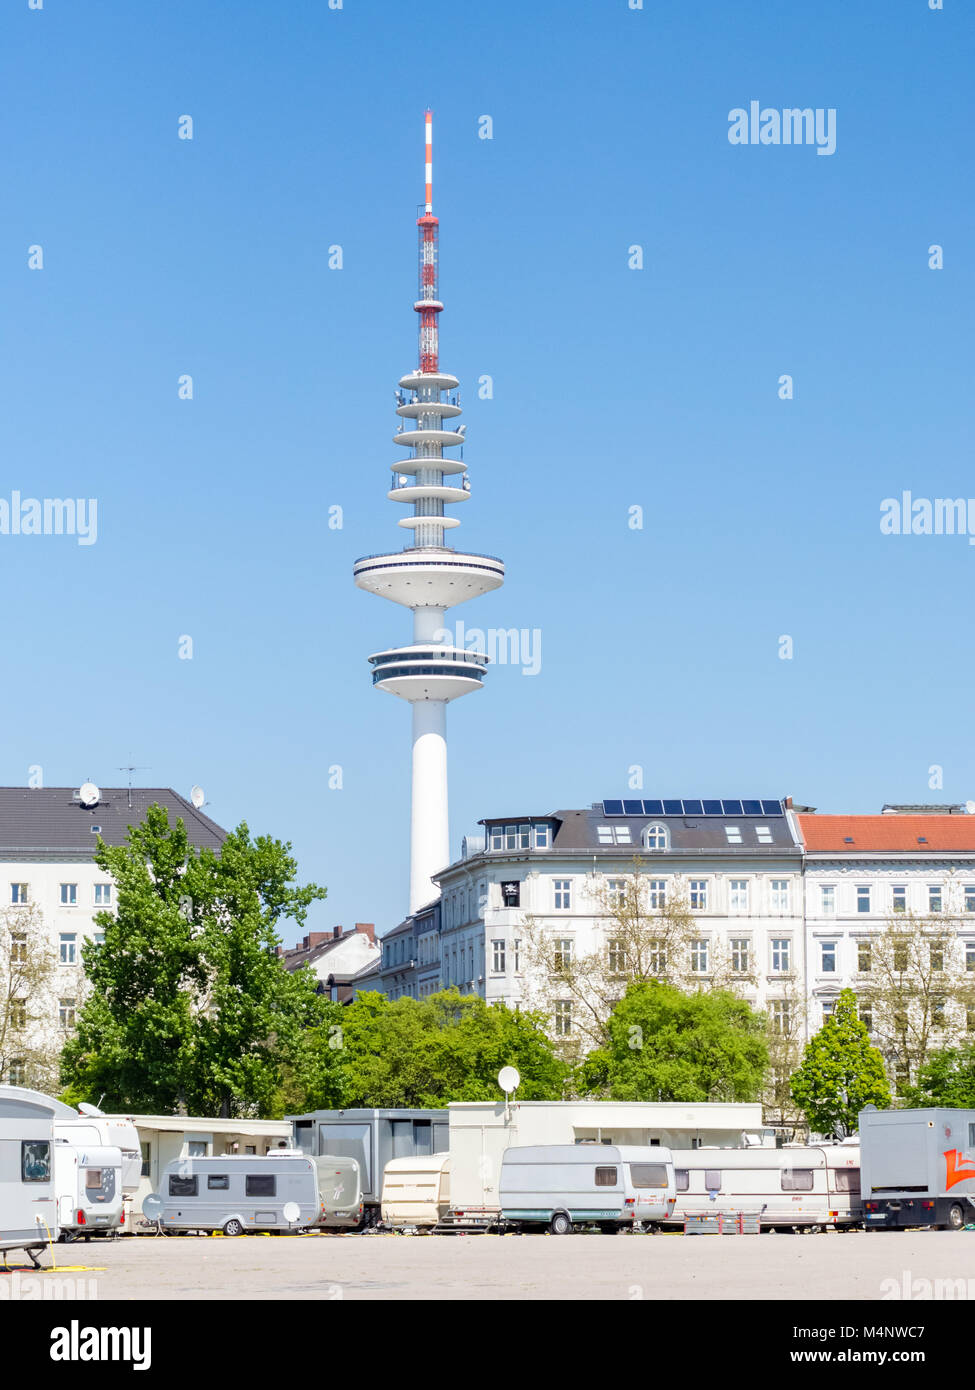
(667, 1266)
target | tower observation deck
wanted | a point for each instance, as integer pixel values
(427, 576)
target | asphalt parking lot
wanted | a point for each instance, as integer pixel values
(831, 1266)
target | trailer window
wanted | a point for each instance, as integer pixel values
(606, 1177)
(683, 1179)
(712, 1179)
(35, 1160)
(847, 1179)
(797, 1179)
(181, 1186)
(259, 1185)
(648, 1174)
(218, 1182)
(93, 1177)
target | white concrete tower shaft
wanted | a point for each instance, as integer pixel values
(428, 576)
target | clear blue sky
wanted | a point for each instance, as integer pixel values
(613, 387)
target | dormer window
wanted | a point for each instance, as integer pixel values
(656, 837)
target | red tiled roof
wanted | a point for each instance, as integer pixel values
(906, 834)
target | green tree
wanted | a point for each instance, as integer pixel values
(428, 1052)
(840, 1072)
(190, 1004)
(667, 1045)
(946, 1078)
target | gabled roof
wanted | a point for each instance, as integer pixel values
(53, 820)
(902, 834)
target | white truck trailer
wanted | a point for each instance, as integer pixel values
(917, 1168)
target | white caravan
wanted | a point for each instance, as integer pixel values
(28, 1206)
(798, 1186)
(560, 1186)
(238, 1193)
(416, 1191)
(88, 1180)
(89, 1126)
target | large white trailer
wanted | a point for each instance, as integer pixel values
(798, 1187)
(918, 1168)
(28, 1204)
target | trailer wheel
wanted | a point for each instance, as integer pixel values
(233, 1227)
(956, 1217)
(560, 1225)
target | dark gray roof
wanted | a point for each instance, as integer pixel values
(578, 830)
(52, 820)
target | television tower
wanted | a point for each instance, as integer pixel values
(427, 576)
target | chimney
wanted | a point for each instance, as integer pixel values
(304, 945)
(315, 938)
(368, 929)
(336, 933)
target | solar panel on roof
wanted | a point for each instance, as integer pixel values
(693, 808)
(673, 808)
(712, 808)
(771, 808)
(653, 808)
(612, 808)
(732, 808)
(752, 808)
(633, 808)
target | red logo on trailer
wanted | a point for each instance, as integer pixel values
(955, 1172)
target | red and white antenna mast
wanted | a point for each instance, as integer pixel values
(428, 304)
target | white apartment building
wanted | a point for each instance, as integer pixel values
(50, 891)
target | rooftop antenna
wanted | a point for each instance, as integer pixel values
(130, 768)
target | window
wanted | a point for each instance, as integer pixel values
(35, 1160)
(510, 836)
(682, 1179)
(780, 895)
(699, 894)
(563, 1017)
(68, 951)
(970, 897)
(218, 1182)
(98, 937)
(543, 836)
(93, 1179)
(18, 1013)
(617, 956)
(863, 897)
(739, 954)
(900, 956)
(780, 1013)
(146, 1148)
(864, 957)
(66, 1013)
(497, 957)
(69, 895)
(517, 955)
(562, 955)
(797, 1179)
(614, 834)
(738, 895)
(259, 1185)
(970, 955)
(648, 1175)
(865, 1012)
(607, 1177)
(828, 1006)
(657, 958)
(936, 953)
(781, 955)
(18, 947)
(938, 1005)
(184, 1185)
(829, 957)
(196, 1148)
(657, 889)
(934, 897)
(563, 894)
(763, 834)
(898, 897)
(733, 833)
(699, 956)
(827, 899)
(712, 1179)
(103, 894)
(655, 837)
(616, 892)
(511, 894)
(18, 892)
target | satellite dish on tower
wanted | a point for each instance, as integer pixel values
(508, 1079)
(197, 797)
(88, 794)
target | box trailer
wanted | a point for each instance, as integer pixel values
(88, 1180)
(560, 1186)
(372, 1138)
(28, 1198)
(798, 1187)
(416, 1191)
(917, 1168)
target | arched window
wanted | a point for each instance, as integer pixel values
(655, 837)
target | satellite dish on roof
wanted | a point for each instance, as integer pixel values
(197, 797)
(88, 794)
(85, 1109)
(970, 807)
(508, 1079)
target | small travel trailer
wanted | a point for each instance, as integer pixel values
(253, 1192)
(800, 1186)
(560, 1186)
(340, 1190)
(88, 1180)
(89, 1126)
(416, 1191)
(28, 1205)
